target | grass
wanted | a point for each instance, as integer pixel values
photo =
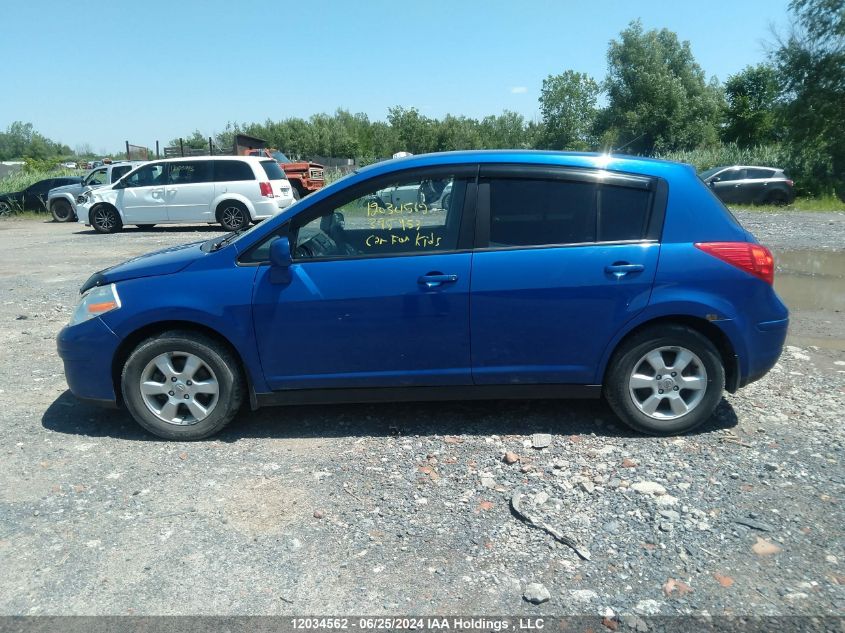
(23, 179)
(826, 204)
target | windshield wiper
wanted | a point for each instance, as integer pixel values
(227, 239)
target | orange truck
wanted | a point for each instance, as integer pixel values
(304, 176)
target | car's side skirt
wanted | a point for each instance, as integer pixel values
(425, 394)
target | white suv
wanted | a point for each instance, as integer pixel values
(231, 190)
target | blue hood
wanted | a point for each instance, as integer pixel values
(164, 262)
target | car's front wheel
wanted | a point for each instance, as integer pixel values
(665, 380)
(61, 211)
(105, 219)
(182, 385)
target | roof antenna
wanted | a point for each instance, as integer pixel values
(628, 143)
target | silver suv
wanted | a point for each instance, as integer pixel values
(61, 201)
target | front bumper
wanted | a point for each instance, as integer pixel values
(87, 351)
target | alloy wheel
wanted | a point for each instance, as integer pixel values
(179, 388)
(667, 383)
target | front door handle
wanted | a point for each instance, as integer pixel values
(620, 269)
(433, 280)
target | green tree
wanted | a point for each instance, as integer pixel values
(505, 131)
(416, 133)
(195, 141)
(810, 65)
(658, 99)
(751, 113)
(568, 107)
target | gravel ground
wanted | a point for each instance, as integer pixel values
(407, 508)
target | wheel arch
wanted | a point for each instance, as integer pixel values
(714, 334)
(132, 340)
(220, 200)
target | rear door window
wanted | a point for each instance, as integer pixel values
(232, 170)
(189, 172)
(623, 213)
(757, 174)
(536, 212)
(118, 172)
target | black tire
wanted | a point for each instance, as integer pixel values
(296, 194)
(777, 197)
(217, 356)
(145, 226)
(105, 219)
(627, 358)
(5, 209)
(232, 215)
(62, 211)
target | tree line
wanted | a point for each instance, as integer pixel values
(655, 100)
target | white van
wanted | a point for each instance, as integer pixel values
(230, 190)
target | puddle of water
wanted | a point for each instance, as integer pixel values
(811, 280)
(814, 282)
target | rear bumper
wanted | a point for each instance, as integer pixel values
(87, 351)
(765, 346)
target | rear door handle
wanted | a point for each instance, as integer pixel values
(621, 269)
(432, 280)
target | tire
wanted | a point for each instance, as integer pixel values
(5, 209)
(145, 226)
(670, 345)
(232, 215)
(105, 219)
(62, 211)
(777, 198)
(200, 412)
(296, 194)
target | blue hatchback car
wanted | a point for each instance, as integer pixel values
(466, 275)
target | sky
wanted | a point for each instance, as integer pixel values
(102, 73)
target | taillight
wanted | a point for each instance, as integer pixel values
(752, 258)
(266, 189)
(790, 183)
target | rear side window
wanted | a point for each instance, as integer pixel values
(229, 170)
(534, 212)
(623, 213)
(272, 169)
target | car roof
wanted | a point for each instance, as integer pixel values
(748, 167)
(608, 162)
(181, 159)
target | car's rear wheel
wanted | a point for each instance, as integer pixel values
(777, 198)
(105, 219)
(296, 194)
(232, 215)
(665, 380)
(61, 211)
(182, 385)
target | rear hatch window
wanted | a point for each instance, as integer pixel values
(272, 169)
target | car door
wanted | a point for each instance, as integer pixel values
(727, 185)
(563, 259)
(755, 185)
(35, 196)
(190, 189)
(376, 297)
(141, 196)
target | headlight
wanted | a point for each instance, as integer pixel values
(83, 198)
(95, 302)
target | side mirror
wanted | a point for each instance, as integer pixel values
(714, 180)
(280, 260)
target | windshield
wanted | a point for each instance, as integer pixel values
(280, 157)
